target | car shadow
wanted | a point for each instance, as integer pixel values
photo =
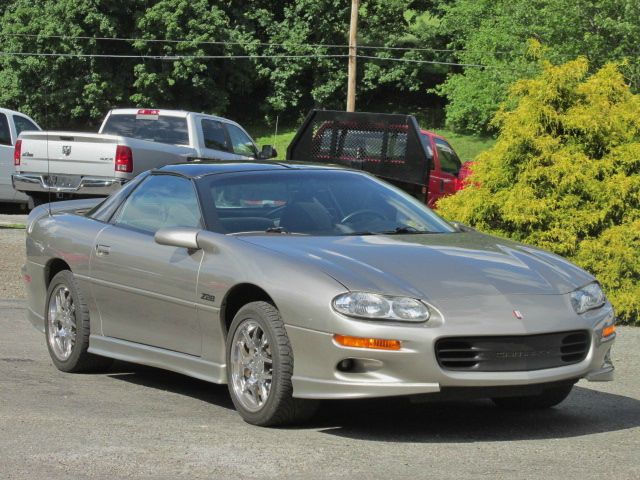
(585, 412)
(173, 382)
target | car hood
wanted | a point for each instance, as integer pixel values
(436, 266)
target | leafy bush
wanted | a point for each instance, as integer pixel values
(564, 175)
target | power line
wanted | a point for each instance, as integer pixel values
(233, 57)
(165, 57)
(245, 43)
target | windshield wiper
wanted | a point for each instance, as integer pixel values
(404, 231)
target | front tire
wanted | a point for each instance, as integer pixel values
(67, 327)
(547, 399)
(260, 366)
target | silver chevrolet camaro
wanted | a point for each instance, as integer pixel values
(295, 283)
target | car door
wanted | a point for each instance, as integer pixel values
(146, 292)
(7, 193)
(215, 140)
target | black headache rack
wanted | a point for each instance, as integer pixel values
(387, 145)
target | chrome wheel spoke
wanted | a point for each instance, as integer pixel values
(251, 365)
(61, 323)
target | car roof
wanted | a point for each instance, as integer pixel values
(200, 169)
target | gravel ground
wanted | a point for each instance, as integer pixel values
(12, 256)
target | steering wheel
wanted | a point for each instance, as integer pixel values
(361, 213)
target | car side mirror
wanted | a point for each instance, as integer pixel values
(267, 152)
(178, 237)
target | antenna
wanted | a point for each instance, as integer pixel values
(46, 120)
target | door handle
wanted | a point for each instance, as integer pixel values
(102, 250)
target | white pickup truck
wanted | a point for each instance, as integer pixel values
(11, 125)
(54, 165)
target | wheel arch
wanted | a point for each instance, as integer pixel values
(238, 296)
(52, 268)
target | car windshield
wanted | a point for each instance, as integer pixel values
(312, 202)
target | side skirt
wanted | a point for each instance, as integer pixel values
(157, 357)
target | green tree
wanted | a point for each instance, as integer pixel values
(64, 91)
(496, 33)
(191, 83)
(300, 83)
(564, 175)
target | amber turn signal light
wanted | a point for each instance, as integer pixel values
(374, 343)
(608, 331)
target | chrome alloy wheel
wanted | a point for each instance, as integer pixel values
(62, 323)
(251, 365)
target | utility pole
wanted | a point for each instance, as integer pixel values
(353, 30)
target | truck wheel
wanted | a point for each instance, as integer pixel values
(36, 199)
(67, 327)
(259, 368)
(547, 399)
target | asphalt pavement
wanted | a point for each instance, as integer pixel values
(140, 422)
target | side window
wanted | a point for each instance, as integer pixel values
(449, 161)
(24, 125)
(214, 135)
(5, 133)
(161, 201)
(241, 143)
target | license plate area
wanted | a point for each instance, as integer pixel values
(62, 181)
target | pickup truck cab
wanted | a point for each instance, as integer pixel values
(447, 174)
(130, 141)
(12, 124)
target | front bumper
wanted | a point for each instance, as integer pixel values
(414, 370)
(78, 185)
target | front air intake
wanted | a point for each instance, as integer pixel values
(512, 353)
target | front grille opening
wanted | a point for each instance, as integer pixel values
(512, 353)
(575, 347)
(457, 354)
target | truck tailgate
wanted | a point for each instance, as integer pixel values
(69, 153)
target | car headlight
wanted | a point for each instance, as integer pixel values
(587, 298)
(381, 307)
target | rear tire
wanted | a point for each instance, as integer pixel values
(260, 366)
(36, 199)
(67, 327)
(547, 399)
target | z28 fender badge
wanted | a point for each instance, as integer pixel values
(208, 298)
(517, 314)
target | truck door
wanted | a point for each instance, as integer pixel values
(445, 171)
(215, 143)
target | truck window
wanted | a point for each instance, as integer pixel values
(240, 141)
(24, 125)
(449, 161)
(163, 129)
(5, 133)
(214, 135)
